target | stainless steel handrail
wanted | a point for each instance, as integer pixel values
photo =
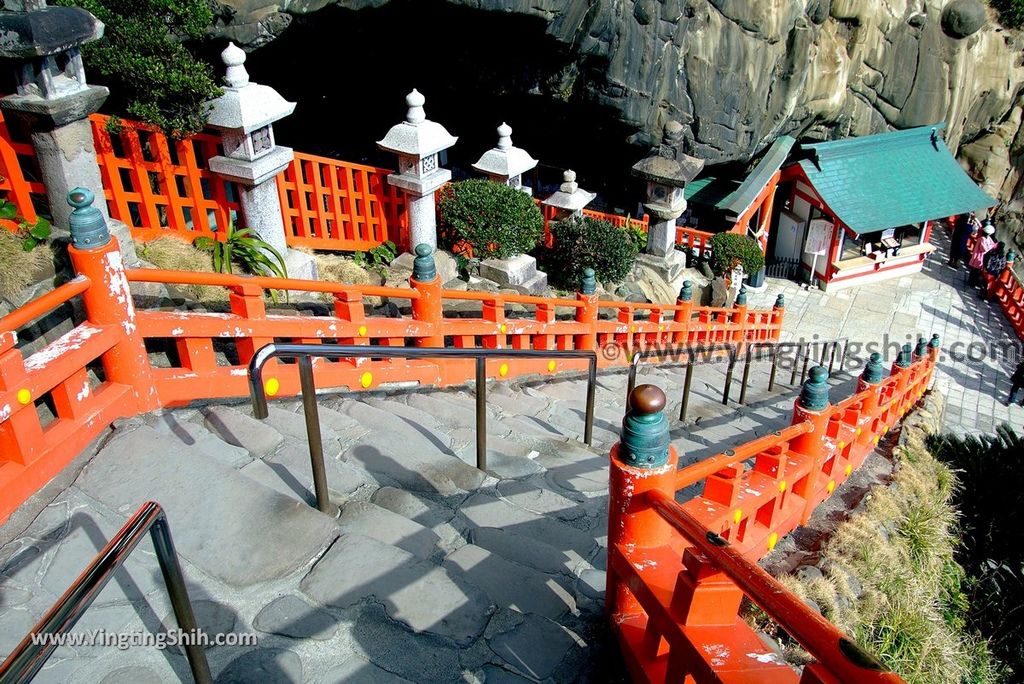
(692, 350)
(304, 353)
(28, 657)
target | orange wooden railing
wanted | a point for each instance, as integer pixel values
(1009, 292)
(34, 447)
(675, 610)
(15, 185)
(157, 186)
(336, 205)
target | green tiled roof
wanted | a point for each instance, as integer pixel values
(891, 179)
(735, 197)
(709, 190)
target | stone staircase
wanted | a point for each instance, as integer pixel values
(432, 572)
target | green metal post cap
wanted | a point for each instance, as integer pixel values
(741, 297)
(922, 347)
(1011, 256)
(686, 292)
(906, 357)
(644, 440)
(423, 268)
(873, 370)
(935, 343)
(87, 225)
(814, 395)
(780, 302)
(589, 284)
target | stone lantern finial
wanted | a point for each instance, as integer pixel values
(504, 136)
(234, 59)
(569, 184)
(416, 113)
(570, 198)
(505, 163)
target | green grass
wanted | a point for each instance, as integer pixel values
(892, 582)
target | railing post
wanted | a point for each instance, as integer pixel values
(427, 309)
(108, 301)
(870, 382)
(642, 461)
(901, 369)
(587, 313)
(21, 435)
(247, 302)
(812, 405)
(778, 314)
(684, 313)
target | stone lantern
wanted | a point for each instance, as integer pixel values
(417, 141)
(570, 199)
(667, 170)
(245, 116)
(53, 98)
(505, 163)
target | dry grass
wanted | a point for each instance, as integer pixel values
(18, 268)
(910, 605)
(341, 269)
(178, 255)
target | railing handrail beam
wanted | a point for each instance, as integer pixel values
(44, 304)
(704, 468)
(28, 657)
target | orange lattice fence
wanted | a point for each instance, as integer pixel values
(159, 186)
(17, 160)
(337, 205)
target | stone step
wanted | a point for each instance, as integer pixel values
(234, 427)
(290, 472)
(228, 525)
(370, 520)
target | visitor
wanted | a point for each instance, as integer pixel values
(995, 264)
(963, 228)
(982, 246)
(1016, 383)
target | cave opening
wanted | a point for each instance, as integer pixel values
(350, 70)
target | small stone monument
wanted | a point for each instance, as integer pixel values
(53, 98)
(570, 199)
(417, 141)
(506, 163)
(667, 170)
(245, 116)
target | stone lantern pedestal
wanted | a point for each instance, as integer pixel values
(418, 141)
(53, 100)
(667, 170)
(245, 115)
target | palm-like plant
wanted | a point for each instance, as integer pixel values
(253, 254)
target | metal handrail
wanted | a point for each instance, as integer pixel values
(304, 353)
(697, 350)
(29, 656)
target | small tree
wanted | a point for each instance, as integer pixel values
(151, 74)
(495, 220)
(728, 249)
(582, 243)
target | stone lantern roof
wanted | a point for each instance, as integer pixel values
(667, 164)
(245, 106)
(570, 196)
(39, 30)
(505, 160)
(417, 136)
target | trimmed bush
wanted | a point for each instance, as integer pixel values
(496, 221)
(727, 248)
(586, 242)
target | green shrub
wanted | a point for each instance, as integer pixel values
(1011, 12)
(727, 248)
(582, 243)
(142, 58)
(495, 220)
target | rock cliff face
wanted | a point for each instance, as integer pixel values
(738, 73)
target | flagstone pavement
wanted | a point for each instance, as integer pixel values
(979, 347)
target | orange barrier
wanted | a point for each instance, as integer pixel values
(1008, 291)
(17, 188)
(674, 604)
(336, 205)
(158, 186)
(207, 353)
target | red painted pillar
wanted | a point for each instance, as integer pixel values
(427, 309)
(813, 406)
(587, 312)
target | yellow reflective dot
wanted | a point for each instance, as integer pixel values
(362, 331)
(849, 469)
(551, 366)
(366, 379)
(782, 486)
(831, 486)
(503, 370)
(24, 397)
(773, 539)
(737, 516)
(502, 328)
(272, 386)
(859, 431)
(876, 439)
(661, 328)
(842, 445)
(632, 328)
